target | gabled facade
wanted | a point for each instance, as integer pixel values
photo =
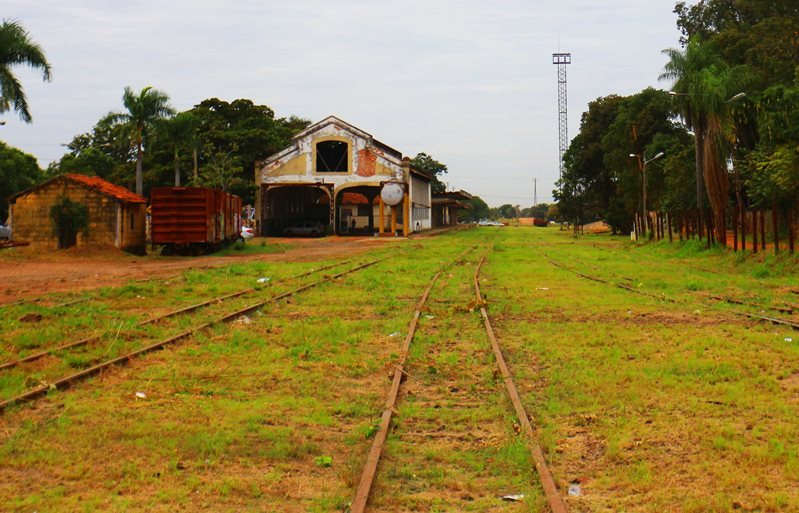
(332, 173)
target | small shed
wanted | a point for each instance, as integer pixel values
(116, 216)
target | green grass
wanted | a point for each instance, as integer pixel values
(651, 406)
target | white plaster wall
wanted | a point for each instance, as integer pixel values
(304, 146)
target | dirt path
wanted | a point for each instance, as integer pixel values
(29, 275)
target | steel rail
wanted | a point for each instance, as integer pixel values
(373, 458)
(773, 320)
(735, 301)
(776, 308)
(152, 320)
(73, 302)
(65, 382)
(554, 499)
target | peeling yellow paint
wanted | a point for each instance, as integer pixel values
(295, 166)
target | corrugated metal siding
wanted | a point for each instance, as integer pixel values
(182, 215)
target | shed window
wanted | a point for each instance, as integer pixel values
(332, 157)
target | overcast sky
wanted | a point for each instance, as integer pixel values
(470, 82)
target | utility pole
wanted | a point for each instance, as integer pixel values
(535, 191)
(561, 60)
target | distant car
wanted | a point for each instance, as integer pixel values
(488, 222)
(247, 233)
(5, 232)
(312, 228)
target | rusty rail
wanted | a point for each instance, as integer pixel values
(67, 381)
(373, 458)
(152, 320)
(554, 499)
(773, 320)
(781, 309)
(370, 469)
(608, 282)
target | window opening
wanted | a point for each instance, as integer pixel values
(331, 157)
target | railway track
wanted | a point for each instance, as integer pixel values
(152, 320)
(432, 399)
(66, 381)
(764, 318)
(716, 297)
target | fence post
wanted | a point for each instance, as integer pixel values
(668, 225)
(735, 229)
(791, 239)
(754, 231)
(774, 227)
(763, 230)
(743, 228)
(709, 229)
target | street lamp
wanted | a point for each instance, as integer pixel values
(642, 163)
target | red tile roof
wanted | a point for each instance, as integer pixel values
(106, 187)
(354, 198)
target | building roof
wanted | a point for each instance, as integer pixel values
(107, 188)
(452, 195)
(333, 120)
(92, 182)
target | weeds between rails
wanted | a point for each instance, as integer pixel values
(764, 318)
(717, 297)
(66, 381)
(152, 320)
(363, 491)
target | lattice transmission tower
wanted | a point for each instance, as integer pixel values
(561, 60)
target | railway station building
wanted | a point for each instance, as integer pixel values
(332, 173)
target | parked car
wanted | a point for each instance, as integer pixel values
(312, 228)
(488, 222)
(5, 232)
(247, 233)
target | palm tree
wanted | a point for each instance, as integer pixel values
(179, 132)
(16, 47)
(701, 84)
(144, 109)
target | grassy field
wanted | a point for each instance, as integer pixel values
(640, 403)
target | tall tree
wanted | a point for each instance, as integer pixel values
(144, 109)
(426, 163)
(690, 71)
(178, 132)
(17, 48)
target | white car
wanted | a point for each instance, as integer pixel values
(247, 233)
(5, 232)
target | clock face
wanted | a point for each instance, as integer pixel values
(392, 194)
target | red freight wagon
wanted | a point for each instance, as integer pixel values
(193, 218)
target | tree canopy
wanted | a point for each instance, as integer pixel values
(17, 48)
(220, 141)
(734, 83)
(436, 170)
(19, 171)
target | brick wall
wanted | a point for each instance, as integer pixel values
(32, 223)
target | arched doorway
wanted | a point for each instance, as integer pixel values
(287, 205)
(356, 209)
